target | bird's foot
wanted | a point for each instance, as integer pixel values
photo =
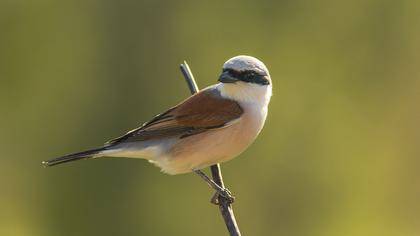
(224, 193)
(220, 191)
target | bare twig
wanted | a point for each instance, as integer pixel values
(224, 205)
(189, 78)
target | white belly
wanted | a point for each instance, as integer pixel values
(214, 146)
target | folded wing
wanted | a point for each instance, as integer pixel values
(201, 112)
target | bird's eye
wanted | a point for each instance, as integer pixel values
(249, 74)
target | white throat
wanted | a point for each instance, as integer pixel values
(246, 92)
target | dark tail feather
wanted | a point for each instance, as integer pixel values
(74, 156)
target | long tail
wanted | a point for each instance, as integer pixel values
(75, 156)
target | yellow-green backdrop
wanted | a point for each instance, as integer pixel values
(339, 155)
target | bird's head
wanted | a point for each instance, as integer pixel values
(245, 78)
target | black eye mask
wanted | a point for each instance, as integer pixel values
(248, 76)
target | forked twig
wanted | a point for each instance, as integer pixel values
(224, 205)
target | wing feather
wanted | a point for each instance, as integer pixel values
(201, 112)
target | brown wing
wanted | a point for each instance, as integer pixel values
(202, 111)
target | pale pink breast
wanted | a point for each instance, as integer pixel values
(219, 145)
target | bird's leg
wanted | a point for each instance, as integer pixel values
(224, 192)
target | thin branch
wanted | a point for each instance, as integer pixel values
(224, 205)
(189, 78)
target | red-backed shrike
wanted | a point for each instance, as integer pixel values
(212, 126)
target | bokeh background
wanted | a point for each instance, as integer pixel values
(339, 154)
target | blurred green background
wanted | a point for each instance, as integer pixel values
(339, 154)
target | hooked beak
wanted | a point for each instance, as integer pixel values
(225, 77)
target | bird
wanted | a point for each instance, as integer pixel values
(212, 126)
